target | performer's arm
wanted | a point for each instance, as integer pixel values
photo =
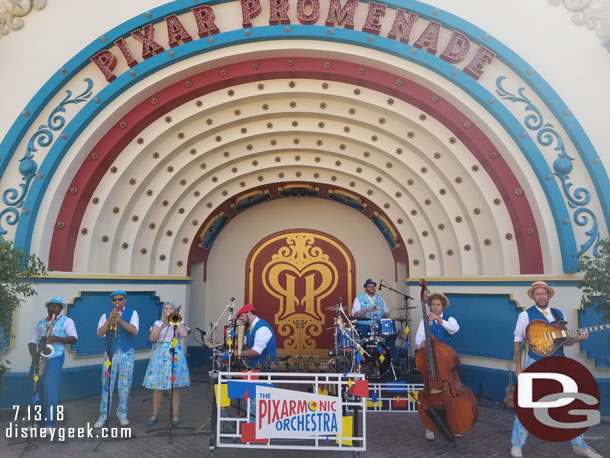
(451, 325)
(70, 331)
(522, 322)
(261, 339)
(132, 326)
(103, 324)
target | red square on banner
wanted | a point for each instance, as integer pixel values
(248, 434)
(251, 377)
(361, 388)
(401, 403)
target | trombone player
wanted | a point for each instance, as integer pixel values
(47, 348)
(120, 326)
(167, 359)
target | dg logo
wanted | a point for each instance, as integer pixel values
(557, 399)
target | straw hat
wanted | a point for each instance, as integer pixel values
(440, 296)
(540, 284)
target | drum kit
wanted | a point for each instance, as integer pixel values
(365, 345)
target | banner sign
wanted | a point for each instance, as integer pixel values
(294, 414)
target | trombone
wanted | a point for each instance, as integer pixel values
(174, 319)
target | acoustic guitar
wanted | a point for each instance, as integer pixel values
(545, 338)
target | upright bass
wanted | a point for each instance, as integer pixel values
(445, 405)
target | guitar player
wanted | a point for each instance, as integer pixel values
(541, 293)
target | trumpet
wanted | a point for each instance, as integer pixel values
(175, 318)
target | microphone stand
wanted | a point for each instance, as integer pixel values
(108, 387)
(406, 298)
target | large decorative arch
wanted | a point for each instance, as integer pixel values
(460, 165)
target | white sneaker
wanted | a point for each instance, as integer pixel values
(429, 435)
(124, 421)
(515, 451)
(587, 452)
(99, 423)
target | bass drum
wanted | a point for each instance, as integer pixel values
(377, 362)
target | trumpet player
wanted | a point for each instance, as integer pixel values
(160, 369)
(120, 326)
(57, 330)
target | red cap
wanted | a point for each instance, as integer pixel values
(246, 308)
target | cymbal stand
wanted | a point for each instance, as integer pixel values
(406, 298)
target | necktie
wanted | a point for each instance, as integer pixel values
(547, 315)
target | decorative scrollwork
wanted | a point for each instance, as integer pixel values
(28, 167)
(547, 136)
(595, 15)
(11, 12)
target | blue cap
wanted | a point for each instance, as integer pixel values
(118, 291)
(369, 282)
(55, 300)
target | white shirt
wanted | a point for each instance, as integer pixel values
(261, 338)
(135, 320)
(450, 325)
(523, 320)
(69, 329)
(357, 306)
(166, 334)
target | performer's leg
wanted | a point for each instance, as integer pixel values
(157, 397)
(52, 376)
(519, 434)
(108, 387)
(124, 383)
(176, 402)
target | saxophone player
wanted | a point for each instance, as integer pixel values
(57, 330)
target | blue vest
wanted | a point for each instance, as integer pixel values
(269, 350)
(123, 339)
(58, 330)
(534, 314)
(439, 331)
(375, 301)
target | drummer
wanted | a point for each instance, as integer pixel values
(370, 305)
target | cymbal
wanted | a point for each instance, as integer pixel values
(213, 344)
(354, 317)
(334, 308)
(402, 319)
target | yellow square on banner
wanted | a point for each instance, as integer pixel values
(224, 395)
(346, 431)
(413, 396)
(372, 404)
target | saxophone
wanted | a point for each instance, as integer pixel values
(45, 350)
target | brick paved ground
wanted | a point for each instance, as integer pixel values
(388, 434)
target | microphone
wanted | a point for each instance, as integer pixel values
(340, 303)
(380, 284)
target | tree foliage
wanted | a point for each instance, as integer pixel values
(19, 273)
(595, 284)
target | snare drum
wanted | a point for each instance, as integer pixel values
(387, 327)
